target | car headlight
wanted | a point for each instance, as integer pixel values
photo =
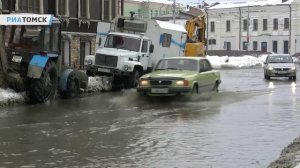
(88, 62)
(270, 68)
(293, 68)
(144, 82)
(182, 83)
(126, 67)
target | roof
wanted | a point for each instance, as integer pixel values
(156, 1)
(128, 34)
(171, 26)
(252, 3)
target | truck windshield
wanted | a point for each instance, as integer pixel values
(123, 42)
(23, 37)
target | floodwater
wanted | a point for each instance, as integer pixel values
(246, 124)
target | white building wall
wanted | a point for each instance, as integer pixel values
(238, 35)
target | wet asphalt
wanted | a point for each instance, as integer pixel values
(246, 124)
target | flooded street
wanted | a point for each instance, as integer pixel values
(246, 124)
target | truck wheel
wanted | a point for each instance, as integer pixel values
(43, 89)
(73, 86)
(132, 80)
(90, 73)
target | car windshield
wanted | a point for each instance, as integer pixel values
(177, 64)
(23, 37)
(122, 42)
(280, 59)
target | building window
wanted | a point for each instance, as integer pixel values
(212, 26)
(151, 13)
(227, 25)
(106, 10)
(83, 8)
(113, 9)
(227, 45)
(275, 46)
(212, 42)
(254, 45)
(264, 46)
(30, 6)
(245, 25)
(156, 13)
(286, 23)
(245, 45)
(285, 47)
(275, 24)
(62, 7)
(255, 25)
(265, 24)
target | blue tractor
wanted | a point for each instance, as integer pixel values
(34, 63)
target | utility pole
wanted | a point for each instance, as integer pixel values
(174, 9)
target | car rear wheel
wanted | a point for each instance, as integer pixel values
(294, 77)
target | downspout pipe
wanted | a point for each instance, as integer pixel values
(240, 29)
(290, 29)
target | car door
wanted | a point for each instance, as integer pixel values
(144, 57)
(206, 76)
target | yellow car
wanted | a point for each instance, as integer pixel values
(179, 75)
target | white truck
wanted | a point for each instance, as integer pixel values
(133, 47)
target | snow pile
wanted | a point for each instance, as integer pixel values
(246, 61)
(8, 96)
(250, 3)
(97, 84)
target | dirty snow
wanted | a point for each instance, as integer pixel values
(9, 96)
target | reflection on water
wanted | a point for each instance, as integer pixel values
(241, 126)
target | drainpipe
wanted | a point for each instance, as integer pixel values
(290, 29)
(122, 7)
(207, 24)
(240, 30)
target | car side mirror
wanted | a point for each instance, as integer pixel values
(151, 49)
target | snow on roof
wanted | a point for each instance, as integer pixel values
(171, 26)
(251, 3)
(156, 1)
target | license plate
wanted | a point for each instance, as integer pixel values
(281, 72)
(159, 90)
(17, 59)
(104, 70)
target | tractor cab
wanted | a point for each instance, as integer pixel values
(22, 42)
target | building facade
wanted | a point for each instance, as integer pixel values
(79, 21)
(148, 8)
(267, 26)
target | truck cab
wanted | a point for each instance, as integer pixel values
(123, 56)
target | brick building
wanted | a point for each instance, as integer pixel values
(79, 21)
